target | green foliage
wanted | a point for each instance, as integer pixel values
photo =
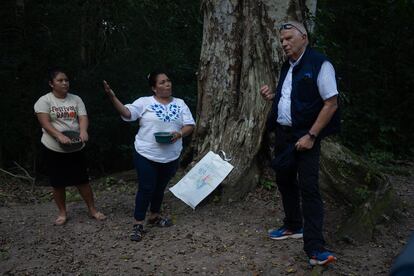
(381, 157)
(73, 196)
(369, 43)
(268, 184)
(119, 41)
(109, 181)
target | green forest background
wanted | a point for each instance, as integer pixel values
(369, 42)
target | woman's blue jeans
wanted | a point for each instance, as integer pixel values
(153, 178)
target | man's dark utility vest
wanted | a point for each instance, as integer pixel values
(306, 102)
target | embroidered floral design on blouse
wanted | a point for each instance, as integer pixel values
(167, 113)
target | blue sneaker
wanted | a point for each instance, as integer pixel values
(284, 233)
(322, 258)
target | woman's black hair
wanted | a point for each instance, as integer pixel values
(54, 71)
(152, 77)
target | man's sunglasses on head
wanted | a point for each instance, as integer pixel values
(288, 26)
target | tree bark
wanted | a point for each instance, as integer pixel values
(240, 53)
(366, 193)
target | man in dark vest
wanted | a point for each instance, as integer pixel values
(304, 111)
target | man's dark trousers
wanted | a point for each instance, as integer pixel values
(301, 181)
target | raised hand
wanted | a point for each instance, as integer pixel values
(119, 106)
(108, 89)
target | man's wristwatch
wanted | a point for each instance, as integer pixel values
(312, 136)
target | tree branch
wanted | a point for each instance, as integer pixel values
(27, 176)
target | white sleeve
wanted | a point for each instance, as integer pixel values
(80, 106)
(326, 81)
(42, 105)
(136, 109)
(187, 116)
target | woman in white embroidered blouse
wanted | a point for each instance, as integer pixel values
(155, 163)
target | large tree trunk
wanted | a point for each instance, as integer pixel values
(241, 52)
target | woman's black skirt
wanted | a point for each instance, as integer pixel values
(65, 169)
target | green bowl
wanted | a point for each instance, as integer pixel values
(163, 137)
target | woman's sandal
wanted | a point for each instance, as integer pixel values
(160, 222)
(137, 232)
(60, 220)
(98, 216)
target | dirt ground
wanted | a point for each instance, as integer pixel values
(218, 238)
